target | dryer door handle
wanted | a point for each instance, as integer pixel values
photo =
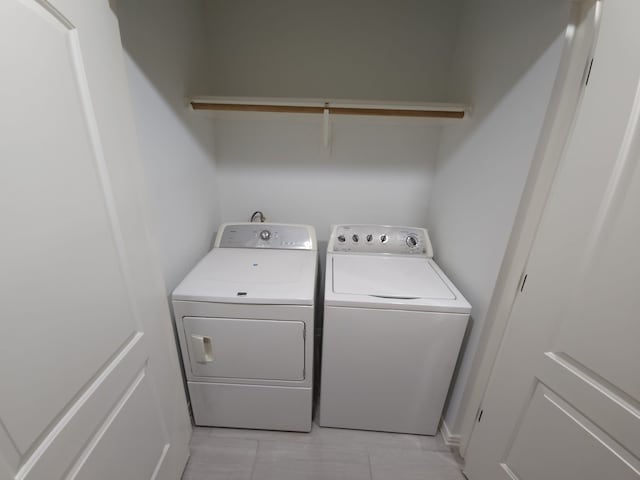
(202, 348)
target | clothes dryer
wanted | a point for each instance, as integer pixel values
(245, 322)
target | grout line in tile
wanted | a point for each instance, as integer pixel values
(255, 460)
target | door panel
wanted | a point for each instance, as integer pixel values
(595, 397)
(574, 328)
(80, 423)
(550, 421)
(54, 184)
(251, 349)
(87, 360)
(132, 426)
(605, 300)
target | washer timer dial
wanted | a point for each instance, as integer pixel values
(411, 241)
(265, 235)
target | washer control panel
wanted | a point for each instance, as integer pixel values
(266, 235)
(381, 239)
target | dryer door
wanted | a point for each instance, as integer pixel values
(245, 349)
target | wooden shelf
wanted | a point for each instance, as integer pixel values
(334, 107)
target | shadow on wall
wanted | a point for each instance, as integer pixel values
(380, 50)
(164, 45)
(506, 62)
(499, 45)
(166, 41)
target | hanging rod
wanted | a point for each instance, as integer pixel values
(435, 110)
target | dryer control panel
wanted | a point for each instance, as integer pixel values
(266, 235)
(381, 239)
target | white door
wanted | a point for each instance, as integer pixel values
(89, 380)
(563, 401)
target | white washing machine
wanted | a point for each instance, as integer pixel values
(393, 326)
(244, 317)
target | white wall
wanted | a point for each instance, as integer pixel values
(389, 49)
(164, 43)
(500, 55)
(506, 61)
(378, 170)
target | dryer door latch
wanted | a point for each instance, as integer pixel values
(202, 348)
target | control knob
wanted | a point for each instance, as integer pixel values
(341, 238)
(265, 235)
(411, 241)
(384, 238)
(355, 238)
(369, 237)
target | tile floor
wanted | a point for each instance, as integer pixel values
(323, 454)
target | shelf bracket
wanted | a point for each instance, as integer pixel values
(325, 125)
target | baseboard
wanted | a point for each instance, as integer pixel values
(450, 439)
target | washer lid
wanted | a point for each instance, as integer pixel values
(274, 277)
(388, 277)
(390, 282)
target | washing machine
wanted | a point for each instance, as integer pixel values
(245, 321)
(393, 327)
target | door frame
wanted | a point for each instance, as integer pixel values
(577, 54)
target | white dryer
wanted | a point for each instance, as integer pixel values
(244, 317)
(393, 326)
